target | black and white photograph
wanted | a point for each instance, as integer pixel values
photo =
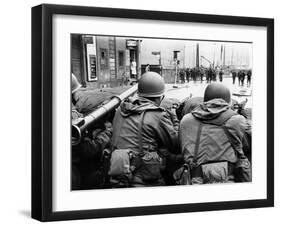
(149, 112)
(140, 112)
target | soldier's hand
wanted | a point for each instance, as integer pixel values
(108, 126)
(96, 132)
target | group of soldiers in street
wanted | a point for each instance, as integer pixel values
(150, 140)
(199, 73)
(211, 74)
(241, 75)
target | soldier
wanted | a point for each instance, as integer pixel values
(84, 100)
(192, 74)
(209, 75)
(187, 74)
(212, 139)
(234, 74)
(239, 77)
(188, 105)
(214, 74)
(182, 76)
(242, 77)
(221, 75)
(249, 77)
(88, 159)
(144, 129)
(201, 71)
(172, 161)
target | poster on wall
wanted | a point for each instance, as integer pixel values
(91, 58)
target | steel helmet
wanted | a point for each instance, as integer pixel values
(217, 90)
(75, 85)
(151, 84)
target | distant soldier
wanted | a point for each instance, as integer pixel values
(187, 74)
(249, 77)
(243, 74)
(193, 74)
(182, 75)
(214, 74)
(234, 74)
(221, 75)
(212, 140)
(239, 74)
(141, 130)
(201, 71)
(209, 75)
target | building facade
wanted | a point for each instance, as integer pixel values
(110, 61)
(104, 61)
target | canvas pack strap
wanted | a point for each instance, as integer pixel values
(227, 133)
(199, 131)
(140, 132)
(223, 118)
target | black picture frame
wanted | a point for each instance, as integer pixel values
(42, 111)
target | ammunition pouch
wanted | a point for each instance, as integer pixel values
(213, 172)
(243, 171)
(151, 165)
(120, 162)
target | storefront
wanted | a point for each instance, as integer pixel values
(104, 61)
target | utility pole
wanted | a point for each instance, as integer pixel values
(214, 55)
(232, 56)
(221, 53)
(197, 55)
(176, 62)
(184, 56)
(224, 56)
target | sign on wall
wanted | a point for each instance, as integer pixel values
(91, 51)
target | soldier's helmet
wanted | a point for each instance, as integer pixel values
(151, 84)
(75, 85)
(217, 90)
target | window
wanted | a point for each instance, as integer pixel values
(103, 58)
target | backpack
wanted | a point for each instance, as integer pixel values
(146, 163)
(217, 171)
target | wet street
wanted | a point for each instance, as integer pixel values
(198, 88)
